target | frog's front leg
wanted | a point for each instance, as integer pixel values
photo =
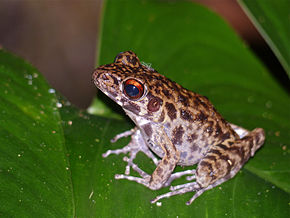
(163, 170)
(135, 145)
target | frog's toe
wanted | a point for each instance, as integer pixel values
(196, 195)
(194, 185)
(136, 168)
(180, 174)
(123, 134)
(176, 192)
(190, 178)
(143, 181)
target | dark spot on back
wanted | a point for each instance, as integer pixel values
(183, 99)
(158, 84)
(197, 101)
(205, 164)
(209, 130)
(222, 146)
(192, 137)
(166, 93)
(157, 91)
(174, 85)
(216, 152)
(186, 115)
(205, 105)
(201, 117)
(225, 136)
(171, 111)
(239, 151)
(218, 130)
(177, 134)
(211, 157)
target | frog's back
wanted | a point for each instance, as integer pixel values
(189, 119)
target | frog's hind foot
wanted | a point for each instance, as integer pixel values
(180, 174)
(181, 189)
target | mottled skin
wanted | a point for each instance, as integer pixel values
(180, 126)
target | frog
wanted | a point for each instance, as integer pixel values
(174, 127)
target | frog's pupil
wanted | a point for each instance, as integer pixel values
(131, 90)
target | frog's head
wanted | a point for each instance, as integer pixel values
(135, 87)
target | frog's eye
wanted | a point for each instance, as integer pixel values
(133, 89)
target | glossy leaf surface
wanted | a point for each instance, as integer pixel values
(50, 152)
(271, 18)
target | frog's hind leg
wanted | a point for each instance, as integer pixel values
(187, 187)
(221, 167)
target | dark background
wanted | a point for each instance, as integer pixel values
(60, 37)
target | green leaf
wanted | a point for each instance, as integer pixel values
(271, 18)
(34, 176)
(50, 152)
(195, 48)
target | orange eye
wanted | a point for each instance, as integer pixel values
(133, 89)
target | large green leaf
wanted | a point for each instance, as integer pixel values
(50, 152)
(35, 179)
(198, 50)
(272, 20)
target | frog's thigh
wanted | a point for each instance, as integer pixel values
(223, 161)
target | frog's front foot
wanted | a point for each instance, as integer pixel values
(135, 145)
(145, 178)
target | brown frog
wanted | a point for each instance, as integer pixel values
(180, 126)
